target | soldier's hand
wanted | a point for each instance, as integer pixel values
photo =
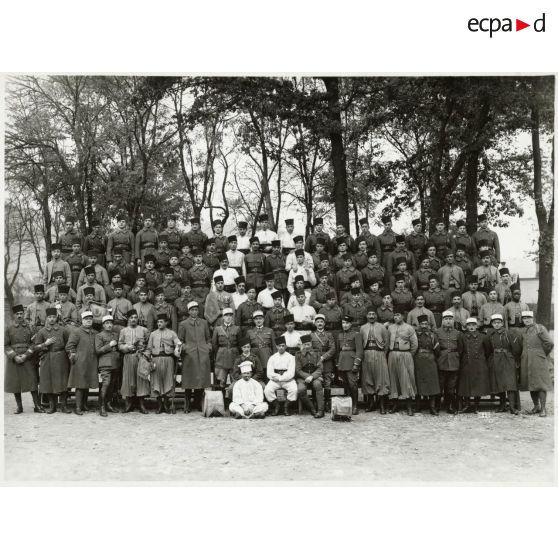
(19, 359)
(50, 341)
(113, 343)
(73, 358)
(308, 380)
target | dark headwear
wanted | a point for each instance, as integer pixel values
(400, 277)
(422, 318)
(363, 221)
(159, 290)
(121, 217)
(118, 285)
(197, 252)
(298, 238)
(17, 308)
(504, 271)
(416, 222)
(347, 318)
(484, 253)
(232, 238)
(355, 291)
(306, 339)
(56, 246)
(269, 276)
(39, 288)
(280, 340)
(263, 217)
(289, 222)
(399, 238)
(288, 318)
(64, 289)
(89, 291)
(218, 278)
(432, 276)
(299, 252)
(240, 279)
(473, 279)
(58, 274)
(162, 316)
(217, 222)
(242, 225)
(132, 312)
(51, 311)
(276, 243)
(386, 219)
(482, 218)
(195, 220)
(322, 273)
(460, 223)
(163, 237)
(276, 294)
(298, 278)
(93, 253)
(318, 221)
(254, 239)
(149, 258)
(95, 222)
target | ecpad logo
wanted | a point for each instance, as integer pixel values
(492, 25)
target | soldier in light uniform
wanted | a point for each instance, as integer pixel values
(451, 276)
(487, 274)
(265, 234)
(52, 293)
(66, 310)
(234, 256)
(101, 275)
(240, 295)
(247, 395)
(292, 259)
(513, 310)
(281, 367)
(243, 241)
(286, 238)
(472, 299)
(146, 315)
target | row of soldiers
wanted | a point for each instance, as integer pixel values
(389, 364)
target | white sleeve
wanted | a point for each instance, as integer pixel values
(290, 373)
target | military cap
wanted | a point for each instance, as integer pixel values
(217, 222)
(482, 218)
(242, 225)
(363, 221)
(298, 238)
(86, 314)
(318, 221)
(51, 311)
(460, 223)
(416, 222)
(56, 246)
(118, 285)
(149, 258)
(299, 252)
(289, 222)
(218, 279)
(399, 238)
(280, 340)
(232, 238)
(107, 318)
(89, 291)
(471, 321)
(39, 288)
(269, 276)
(197, 252)
(401, 277)
(347, 318)
(276, 243)
(64, 289)
(386, 219)
(288, 318)
(322, 273)
(163, 237)
(298, 278)
(195, 220)
(263, 217)
(58, 274)
(132, 312)
(504, 271)
(121, 217)
(226, 311)
(254, 239)
(355, 291)
(162, 316)
(276, 294)
(159, 290)
(192, 304)
(422, 318)
(17, 308)
(257, 313)
(240, 279)
(305, 338)
(447, 314)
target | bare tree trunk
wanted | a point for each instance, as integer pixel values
(338, 159)
(471, 190)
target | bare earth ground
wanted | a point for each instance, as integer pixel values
(188, 448)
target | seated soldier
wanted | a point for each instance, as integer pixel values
(309, 371)
(281, 372)
(247, 395)
(52, 293)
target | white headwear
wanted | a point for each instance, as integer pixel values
(191, 304)
(527, 314)
(246, 366)
(471, 320)
(447, 313)
(86, 314)
(496, 317)
(107, 319)
(227, 311)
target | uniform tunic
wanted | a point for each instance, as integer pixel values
(448, 357)
(486, 237)
(243, 243)
(35, 315)
(81, 348)
(161, 346)
(473, 302)
(127, 272)
(324, 343)
(465, 241)
(487, 310)
(195, 239)
(109, 358)
(100, 295)
(280, 370)
(489, 277)
(181, 306)
(58, 265)
(170, 311)
(505, 350)
(67, 239)
(147, 242)
(452, 277)
(146, 315)
(357, 311)
(338, 262)
(409, 283)
(153, 279)
(312, 240)
(402, 345)
(200, 276)
(371, 274)
(387, 242)
(403, 301)
(375, 373)
(535, 370)
(123, 239)
(257, 368)
(397, 254)
(474, 379)
(349, 345)
(132, 384)
(343, 278)
(175, 238)
(320, 295)
(504, 292)
(109, 290)
(52, 295)
(426, 370)
(211, 261)
(416, 243)
(226, 341)
(76, 262)
(412, 317)
(67, 313)
(465, 264)
(460, 316)
(101, 276)
(372, 242)
(512, 314)
(96, 242)
(442, 241)
(274, 320)
(385, 314)
(244, 314)
(196, 365)
(186, 261)
(332, 315)
(262, 341)
(19, 378)
(163, 258)
(436, 300)
(54, 367)
(172, 291)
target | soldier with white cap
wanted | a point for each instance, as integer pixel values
(535, 369)
(281, 368)
(247, 396)
(81, 352)
(448, 361)
(262, 339)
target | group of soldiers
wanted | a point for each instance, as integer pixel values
(269, 319)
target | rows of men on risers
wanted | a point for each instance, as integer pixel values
(172, 278)
(395, 363)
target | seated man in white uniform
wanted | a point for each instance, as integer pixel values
(281, 372)
(248, 396)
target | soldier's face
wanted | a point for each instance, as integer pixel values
(241, 288)
(92, 260)
(375, 287)
(275, 249)
(484, 224)
(96, 229)
(400, 245)
(419, 301)
(345, 325)
(219, 286)
(323, 280)
(118, 292)
(63, 297)
(362, 246)
(387, 300)
(246, 375)
(319, 227)
(462, 229)
(224, 264)
(516, 296)
(417, 228)
(387, 226)
(233, 244)
(400, 284)
(398, 317)
(506, 278)
(218, 229)
(298, 244)
(255, 246)
(456, 300)
(89, 298)
(133, 320)
(371, 317)
(473, 287)
(307, 346)
(342, 247)
(492, 296)
(171, 223)
(300, 260)
(173, 261)
(116, 279)
(251, 294)
(143, 297)
(140, 282)
(290, 327)
(264, 225)
(75, 249)
(497, 324)
(449, 259)
(117, 258)
(227, 319)
(278, 302)
(340, 229)
(51, 320)
(56, 253)
(246, 349)
(528, 321)
(59, 279)
(68, 226)
(319, 248)
(290, 229)
(281, 348)
(122, 223)
(365, 227)
(194, 311)
(169, 277)
(486, 260)
(161, 324)
(320, 324)
(258, 320)
(402, 267)
(87, 322)
(331, 302)
(18, 316)
(431, 251)
(447, 321)
(301, 299)
(160, 298)
(39, 295)
(433, 283)
(471, 327)
(147, 223)
(460, 253)
(195, 226)
(242, 232)
(198, 259)
(107, 326)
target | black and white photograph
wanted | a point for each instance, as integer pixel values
(312, 279)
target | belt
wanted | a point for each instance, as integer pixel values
(122, 246)
(199, 284)
(75, 268)
(147, 245)
(425, 351)
(293, 349)
(20, 346)
(373, 349)
(158, 356)
(280, 371)
(347, 349)
(515, 325)
(120, 322)
(400, 350)
(502, 351)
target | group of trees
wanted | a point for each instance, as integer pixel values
(233, 147)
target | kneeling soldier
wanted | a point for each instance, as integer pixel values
(309, 369)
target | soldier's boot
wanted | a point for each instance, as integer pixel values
(79, 399)
(110, 400)
(432, 401)
(142, 408)
(307, 402)
(167, 404)
(382, 404)
(198, 399)
(476, 401)
(64, 403)
(84, 406)
(319, 403)
(542, 399)
(463, 405)
(187, 395)
(502, 406)
(286, 410)
(327, 400)
(536, 402)
(19, 404)
(159, 405)
(410, 411)
(393, 407)
(275, 410)
(45, 400)
(129, 405)
(103, 399)
(452, 410)
(354, 398)
(370, 403)
(512, 397)
(36, 403)
(418, 401)
(51, 403)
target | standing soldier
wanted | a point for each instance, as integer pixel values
(341, 235)
(210, 257)
(426, 371)
(460, 314)
(265, 234)
(153, 277)
(35, 315)
(308, 374)
(216, 302)
(372, 241)
(324, 343)
(418, 311)
(255, 263)
(83, 358)
(195, 237)
(127, 271)
(163, 307)
(503, 289)
(20, 375)
(472, 299)
(245, 311)
(360, 257)
(53, 292)
(387, 241)
(320, 293)
(403, 345)
(535, 372)
(373, 272)
(487, 274)
(131, 342)
(57, 264)
(505, 351)
(474, 379)
(173, 234)
(101, 275)
(275, 263)
(179, 273)
(106, 347)
(169, 285)
(448, 362)
(69, 236)
(234, 256)
(66, 310)
(122, 238)
(54, 366)
(403, 297)
(163, 252)
(119, 307)
(492, 306)
(194, 335)
(146, 315)
(162, 347)
(99, 294)
(221, 242)
(461, 239)
(199, 276)
(416, 241)
(77, 261)
(462, 260)
(513, 310)
(226, 347)
(375, 374)
(181, 303)
(275, 315)
(262, 339)
(147, 242)
(436, 299)
(486, 237)
(434, 262)
(96, 241)
(318, 234)
(399, 252)
(243, 242)
(355, 308)
(441, 239)
(286, 238)
(349, 343)
(186, 259)
(341, 255)
(451, 276)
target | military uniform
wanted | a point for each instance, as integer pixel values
(349, 357)
(275, 263)
(487, 238)
(332, 318)
(19, 377)
(67, 239)
(244, 313)
(153, 279)
(77, 262)
(67, 313)
(226, 341)
(181, 305)
(58, 265)
(54, 367)
(200, 278)
(195, 239)
(465, 264)
(343, 279)
(147, 242)
(324, 344)
(396, 254)
(372, 242)
(174, 239)
(170, 311)
(172, 291)
(357, 311)
(274, 320)
(35, 315)
(464, 241)
(124, 240)
(311, 241)
(255, 266)
(371, 274)
(221, 245)
(473, 302)
(163, 258)
(474, 380)
(262, 341)
(97, 242)
(416, 244)
(442, 241)
(320, 295)
(448, 363)
(211, 260)
(147, 316)
(309, 363)
(436, 300)
(387, 243)
(127, 272)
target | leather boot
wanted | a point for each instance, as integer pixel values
(354, 398)
(19, 404)
(418, 400)
(187, 395)
(382, 405)
(167, 404)
(536, 402)
(275, 410)
(51, 403)
(327, 400)
(410, 411)
(502, 407)
(110, 400)
(451, 405)
(433, 410)
(84, 406)
(159, 405)
(102, 399)
(320, 403)
(542, 399)
(36, 405)
(129, 405)
(79, 400)
(286, 410)
(393, 408)
(512, 397)
(309, 405)
(370, 404)
(142, 408)
(64, 403)
(463, 405)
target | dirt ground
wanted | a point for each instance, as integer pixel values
(488, 447)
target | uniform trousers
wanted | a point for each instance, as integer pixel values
(448, 381)
(236, 408)
(272, 386)
(317, 389)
